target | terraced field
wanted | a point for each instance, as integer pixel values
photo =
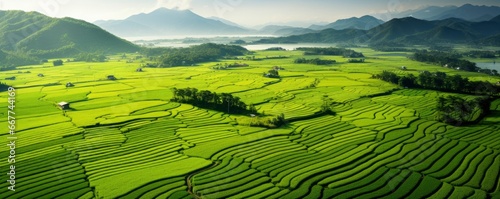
(125, 139)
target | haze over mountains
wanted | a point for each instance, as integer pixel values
(168, 22)
(409, 31)
(171, 22)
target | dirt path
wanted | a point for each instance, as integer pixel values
(190, 176)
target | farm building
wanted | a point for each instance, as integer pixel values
(403, 68)
(139, 70)
(111, 77)
(69, 84)
(63, 105)
(40, 75)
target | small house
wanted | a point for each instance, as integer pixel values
(253, 115)
(403, 68)
(69, 84)
(139, 70)
(111, 77)
(10, 78)
(40, 75)
(63, 105)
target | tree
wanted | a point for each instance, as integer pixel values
(57, 62)
(409, 81)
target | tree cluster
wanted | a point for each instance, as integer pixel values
(274, 122)
(272, 74)
(57, 62)
(356, 60)
(316, 61)
(441, 82)
(450, 60)
(275, 49)
(481, 54)
(3, 86)
(457, 111)
(223, 102)
(331, 51)
(90, 57)
(198, 54)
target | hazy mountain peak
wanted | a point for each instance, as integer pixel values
(168, 22)
(365, 22)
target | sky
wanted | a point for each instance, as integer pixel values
(249, 13)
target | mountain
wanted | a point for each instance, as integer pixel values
(25, 35)
(363, 23)
(227, 22)
(407, 30)
(167, 22)
(284, 30)
(468, 12)
(272, 29)
(324, 36)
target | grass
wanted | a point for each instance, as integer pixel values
(124, 138)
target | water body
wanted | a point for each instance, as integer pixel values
(489, 65)
(286, 46)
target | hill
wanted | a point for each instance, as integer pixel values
(168, 22)
(363, 23)
(410, 31)
(31, 34)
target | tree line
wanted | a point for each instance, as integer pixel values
(331, 51)
(441, 82)
(315, 61)
(90, 57)
(449, 60)
(223, 102)
(171, 57)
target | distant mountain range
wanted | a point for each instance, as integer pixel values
(407, 30)
(25, 36)
(171, 22)
(363, 23)
(468, 12)
(168, 22)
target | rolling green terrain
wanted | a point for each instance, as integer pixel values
(28, 37)
(124, 138)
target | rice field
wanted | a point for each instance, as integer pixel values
(125, 139)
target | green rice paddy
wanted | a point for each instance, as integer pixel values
(125, 139)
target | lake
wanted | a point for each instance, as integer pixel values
(489, 65)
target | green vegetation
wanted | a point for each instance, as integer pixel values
(57, 62)
(314, 132)
(332, 51)
(90, 57)
(458, 111)
(315, 61)
(441, 82)
(445, 59)
(28, 37)
(198, 54)
(206, 99)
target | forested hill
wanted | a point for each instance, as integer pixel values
(34, 35)
(407, 31)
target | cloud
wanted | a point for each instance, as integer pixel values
(174, 4)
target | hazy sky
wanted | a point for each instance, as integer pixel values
(244, 12)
